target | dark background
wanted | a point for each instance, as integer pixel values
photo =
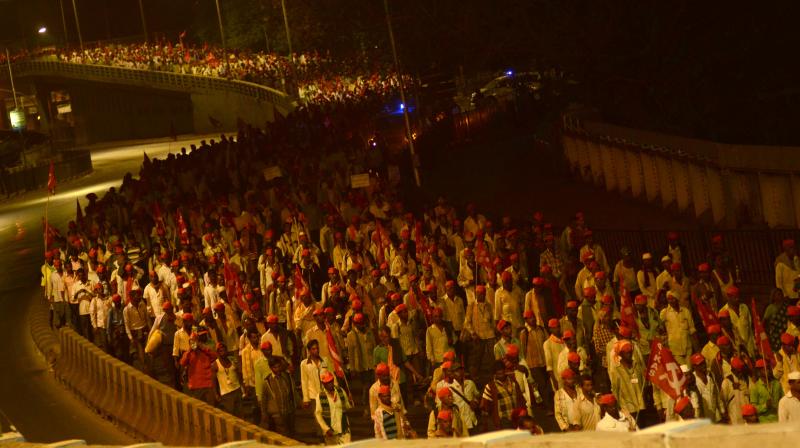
(725, 71)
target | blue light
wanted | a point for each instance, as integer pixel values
(402, 106)
(509, 73)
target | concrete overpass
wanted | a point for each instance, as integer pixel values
(92, 103)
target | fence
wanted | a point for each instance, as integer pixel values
(154, 79)
(730, 186)
(71, 165)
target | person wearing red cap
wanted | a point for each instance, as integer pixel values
(98, 312)
(586, 274)
(553, 346)
(211, 290)
(775, 318)
(765, 392)
(793, 315)
(454, 310)
(787, 360)
(647, 323)
(402, 266)
(226, 381)
(479, 336)
(565, 399)
(708, 390)
(646, 278)
(684, 410)
(591, 246)
(319, 332)
(117, 338)
(734, 390)
(154, 295)
(740, 319)
(678, 284)
(278, 400)
(749, 414)
(665, 276)
(602, 335)
(705, 289)
(551, 256)
(334, 280)
(389, 419)
(628, 380)
(506, 339)
(137, 324)
(787, 269)
(57, 295)
(464, 393)
(197, 362)
(508, 300)
(304, 309)
(612, 418)
(625, 271)
(330, 411)
(573, 356)
(383, 378)
(681, 333)
(532, 338)
(572, 322)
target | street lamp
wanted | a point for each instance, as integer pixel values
(42, 29)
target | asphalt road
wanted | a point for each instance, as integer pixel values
(40, 408)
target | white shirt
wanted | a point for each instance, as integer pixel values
(56, 287)
(470, 391)
(609, 423)
(789, 409)
(98, 312)
(154, 299)
(211, 295)
(336, 410)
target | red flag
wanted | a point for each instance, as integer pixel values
(626, 311)
(183, 232)
(299, 283)
(663, 371)
(159, 219)
(706, 314)
(233, 289)
(187, 57)
(51, 179)
(182, 35)
(337, 360)
(762, 341)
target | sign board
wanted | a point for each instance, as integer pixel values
(64, 108)
(17, 118)
(272, 172)
(359, 180)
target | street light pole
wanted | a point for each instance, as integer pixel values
(77, 24)
(144, 20)
(11, 78)
(222, 35)
(286, 25)
(414, 162)
(64, 22)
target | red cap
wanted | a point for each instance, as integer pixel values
(573, 357)
(382, 369)
(430, 287)
(266, 345)
(607, 299)
(329, 310)
(589, 291)
(572, 304)
(787, 339)
(449, 284)
(219, 306)
(332, 271)
(599, 275)
(732, 291)
(444, 414)
(607, 399)
(505, 276)
(501, 324)
(449, 355)
(787, 243)
(175, 263)
(737, 363)
(188, 317)
(527, 314)
(384, 390)
(480, 289)
(567, 373)
(318, 312)
(538, 281)
(625, 331)
(588, 255)
(272, 319)
(552, 323)
(356, 305)
(358, 318)
(436, 311)
(514, 257)
(326, 377)
(546, 269)
(760, 364)
(723, 340)
(697, 359)
(716, 239)
(445, 391)
(401, 307)
(166, 306)
(723, 313)
(206, 310)
(353, 297)
(675, 267)
(681, 404)
(713, 329)
(116, 298)
(512, 350)
(640, 299)
(569, 334)
(625, 346)
(793, 310)
(375, 273)
(748, 410)
(703, 267)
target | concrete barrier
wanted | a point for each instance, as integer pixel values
(143, 406)
(43, 336)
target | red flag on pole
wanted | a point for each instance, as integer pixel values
(762, 341)
(706, 314)
(663, 371)
(233, 289)
(299, 283)
(183, 232)
(51, 179)
(334, 351)
(159, 219)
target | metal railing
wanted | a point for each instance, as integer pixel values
(154, 78)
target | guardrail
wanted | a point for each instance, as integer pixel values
(72, 164)
(154, 78)
(725, 185)
(144, 406)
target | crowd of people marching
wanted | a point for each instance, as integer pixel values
(314, 78)
(249, 274)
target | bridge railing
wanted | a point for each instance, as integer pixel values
(719, 184)
(153, 78)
